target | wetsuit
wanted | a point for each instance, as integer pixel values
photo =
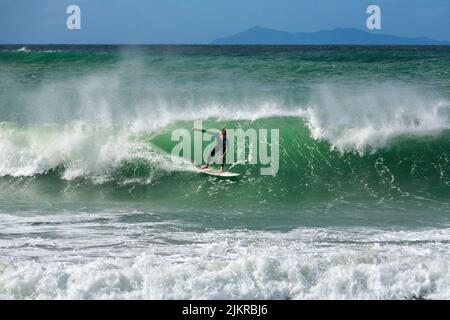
(220, 148)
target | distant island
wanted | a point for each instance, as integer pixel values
(345, 36)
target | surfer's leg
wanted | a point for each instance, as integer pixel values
(213, 152)
(222, 165)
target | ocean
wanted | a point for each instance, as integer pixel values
(92, 205)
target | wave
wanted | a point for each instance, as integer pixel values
(415, 164)
(77, 150)
(28, 50)
(65, 54)
(369, 119)
(305, 263)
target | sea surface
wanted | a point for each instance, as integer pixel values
(92, 205)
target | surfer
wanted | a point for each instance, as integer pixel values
(220, 148)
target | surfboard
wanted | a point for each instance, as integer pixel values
(216, 172)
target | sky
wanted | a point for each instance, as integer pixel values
(202, 21)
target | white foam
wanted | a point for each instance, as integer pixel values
(370, 116)
(82, 149)
(163, 263)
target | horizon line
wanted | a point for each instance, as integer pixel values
(217, 45)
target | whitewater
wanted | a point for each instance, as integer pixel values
(92, 205)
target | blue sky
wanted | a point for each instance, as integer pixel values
(201, 21)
